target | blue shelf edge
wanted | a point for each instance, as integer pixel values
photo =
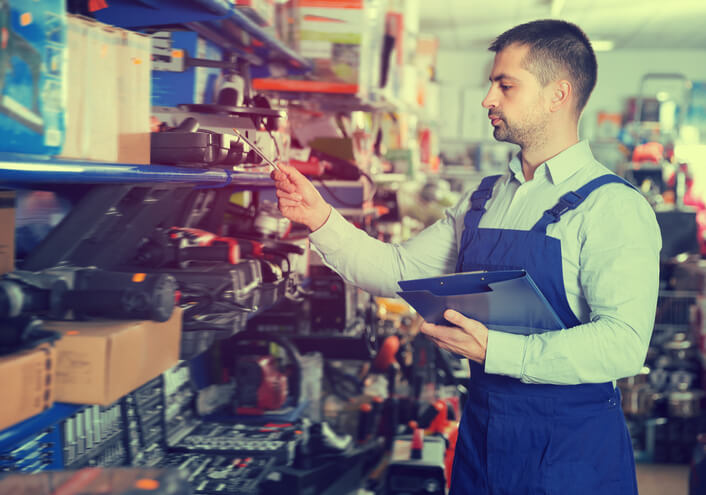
(16, 169)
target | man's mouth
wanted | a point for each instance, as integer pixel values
(494, 119)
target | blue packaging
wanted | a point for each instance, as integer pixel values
(193, 85)
(32, 67)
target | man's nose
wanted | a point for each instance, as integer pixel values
(489, 101)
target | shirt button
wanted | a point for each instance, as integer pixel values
(612, 402)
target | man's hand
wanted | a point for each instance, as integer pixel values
(468, 338)
(298, 198)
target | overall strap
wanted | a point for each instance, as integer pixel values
(573, 199)
(478, 200)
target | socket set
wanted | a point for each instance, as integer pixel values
(111, 454)
(179, 397)
(149, 395)
(221, 474)
(89, 433)
(143, 413)
(33, 455)
(278, 442)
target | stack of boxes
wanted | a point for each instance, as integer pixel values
(343, 41)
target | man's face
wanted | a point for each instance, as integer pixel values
(516, 101)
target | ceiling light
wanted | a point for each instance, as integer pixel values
(555, 8)
(602, 45)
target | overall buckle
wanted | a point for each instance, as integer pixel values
(479, 197)
(567, 202)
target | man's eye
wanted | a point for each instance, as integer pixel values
(505, 87)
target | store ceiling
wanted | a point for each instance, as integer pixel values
(630, 24)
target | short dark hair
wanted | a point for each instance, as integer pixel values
(555, 47)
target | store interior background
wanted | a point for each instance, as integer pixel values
(436, 143)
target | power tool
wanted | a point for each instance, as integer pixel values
(60, 292)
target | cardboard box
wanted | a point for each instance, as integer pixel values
(109, 91)
(27, 384)
(135, 87)
(100, 361)
(7, 231)
(32, 76)
(92, 111)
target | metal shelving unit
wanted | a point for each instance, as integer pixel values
(211, 18)
(218, 20)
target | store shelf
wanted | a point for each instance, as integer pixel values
(337, 96)
(297, 86)
(17, 170)
(214, 16)
(325, 96)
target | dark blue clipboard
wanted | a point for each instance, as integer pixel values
(506, 300)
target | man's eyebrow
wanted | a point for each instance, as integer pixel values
(503, 76)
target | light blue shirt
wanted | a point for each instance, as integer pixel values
(610, 260)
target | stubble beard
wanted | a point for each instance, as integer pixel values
(524, 136)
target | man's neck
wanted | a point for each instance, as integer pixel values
(533, 156)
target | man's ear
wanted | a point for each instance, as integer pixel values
(561, 94)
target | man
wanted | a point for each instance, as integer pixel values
(543, 415)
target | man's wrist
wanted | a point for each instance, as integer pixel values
(321, 218)
(505, 353)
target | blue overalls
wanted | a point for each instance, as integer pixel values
(517, 438)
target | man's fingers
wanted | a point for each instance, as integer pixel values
(289, 178)
(467, 337)
(454, 317)
(279, 175)
(294, 196)
(436, 331)
(293, 175)
(286, 185)
(457, 319)
(288, 203)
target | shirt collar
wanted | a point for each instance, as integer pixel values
(558, 168)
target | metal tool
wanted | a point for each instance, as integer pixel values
(256, 149)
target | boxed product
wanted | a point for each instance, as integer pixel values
(92, 111)
(109, 86)
(260, 11)
(343, 41)
(27, 384)
(100, 361)
(134, 94)
(7, 231)
(173, 82)
(285, 21)
(32, 76)
(337, 37)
